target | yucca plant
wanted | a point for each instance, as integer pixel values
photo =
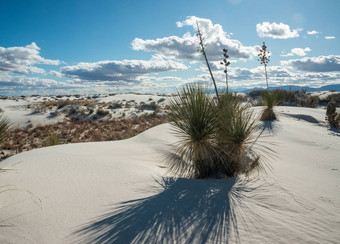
(192, 114)
(215, 138)
(4, 125)
(236, 129)
(270, 99)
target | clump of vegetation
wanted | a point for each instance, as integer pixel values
(52, 140)
(4, 125)
(215, 137)
(75, 130)
(102, 112)
(270, 99)
(332, 116)
(335, 97)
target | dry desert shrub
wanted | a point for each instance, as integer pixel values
(75, 131)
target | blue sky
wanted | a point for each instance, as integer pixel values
(64, 47)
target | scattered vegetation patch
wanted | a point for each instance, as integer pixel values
(74, 131)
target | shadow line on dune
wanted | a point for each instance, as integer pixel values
(187, 211)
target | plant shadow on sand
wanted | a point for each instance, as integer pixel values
(187, 211)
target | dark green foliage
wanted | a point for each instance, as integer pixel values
(215, 137)
(4, 125)
(271, 99)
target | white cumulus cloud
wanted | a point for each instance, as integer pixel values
(186, 47)
(297, 51)
(21, 60)
(315, 64)
(275, 30)
(119, 71)
(329, 37)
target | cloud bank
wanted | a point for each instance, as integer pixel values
(315, 64)
(298, 52)
(20, 60)
(186, 47)
(119, 71)
(276, 31)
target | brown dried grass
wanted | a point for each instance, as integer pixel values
(75, 131)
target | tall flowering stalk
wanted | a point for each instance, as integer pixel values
(264, 58)
(226, 63)
(201, 40)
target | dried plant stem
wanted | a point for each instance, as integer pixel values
(265, 70)
(199, 34)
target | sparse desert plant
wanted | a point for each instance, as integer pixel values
(335, 97)
(334, 120)
(332, 116)
(312, 101)
(52, 140)
(270, 100)
(102, 112)
(192, 114)
(237, 127)
(4, 125)
(215, 138)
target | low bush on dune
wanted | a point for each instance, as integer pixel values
(102, 112)
(4, 125)
(215, 138)
(271, 99)
(52, 140)
(332, 116)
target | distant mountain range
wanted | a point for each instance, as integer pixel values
(335, 87)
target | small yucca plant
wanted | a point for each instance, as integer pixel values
(192, 114)
(236, 129)
(4, 125)
(270, 99)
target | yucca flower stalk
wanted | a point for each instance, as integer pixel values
(202, 50)
(226, 63)
(264, 59)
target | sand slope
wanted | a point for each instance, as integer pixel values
(116, 192)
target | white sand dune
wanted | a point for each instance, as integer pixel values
(118, 192)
